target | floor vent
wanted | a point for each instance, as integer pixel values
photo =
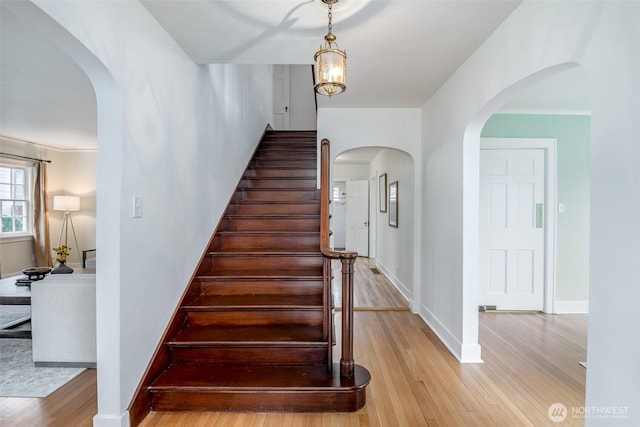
(375, 271)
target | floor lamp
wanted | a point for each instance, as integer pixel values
(66, 204)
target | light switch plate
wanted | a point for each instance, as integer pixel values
(137, 206)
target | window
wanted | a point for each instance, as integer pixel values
(15, 199)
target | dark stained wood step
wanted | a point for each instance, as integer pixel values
(235, 302)
(266, 208)
(278, 183)
(280, 195)
(253, 316)
(254, 344)
(291, 173)
(255, 310)
(260, 285)
(265, 261)
(311, 147)
(265, 240)
(272, 162)
(287, 152)
(259, 388)
(199, 335)
(308, 223)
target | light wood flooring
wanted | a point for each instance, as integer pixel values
(531, 361)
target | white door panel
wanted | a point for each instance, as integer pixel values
(358, 217)
(512, 195)
(281, 97)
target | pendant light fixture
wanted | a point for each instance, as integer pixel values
(330, 63)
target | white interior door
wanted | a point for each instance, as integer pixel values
(512, 258)
(281, 97)
(358, 217)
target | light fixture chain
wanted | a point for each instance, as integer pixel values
(330, 16)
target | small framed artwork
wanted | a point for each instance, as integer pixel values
(393, 204)
(382, 192)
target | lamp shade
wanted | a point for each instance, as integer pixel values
(66, 203)
(331, 71)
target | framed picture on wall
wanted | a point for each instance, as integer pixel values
(393, 204)
(382, 192)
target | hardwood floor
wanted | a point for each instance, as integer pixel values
(74, 404)
(372, 290)
(531, 361)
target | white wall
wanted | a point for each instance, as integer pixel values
(74, 173)
(397, 128)
(539, 39)
(173, 132)
(394, 246)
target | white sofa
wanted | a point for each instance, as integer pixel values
(63, 320)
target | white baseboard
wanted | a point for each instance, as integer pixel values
(447, 338)
(571, 307)
(464, 353)
(103, 420)
(397, 283)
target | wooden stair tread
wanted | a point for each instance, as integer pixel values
(274, 216)
(258, 378)
(266, 232)
(264, 253)
(275, 202)
(235, 302)
(280, 274)
(302, 274)
(247, 335)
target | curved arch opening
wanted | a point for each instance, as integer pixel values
(382, 231)
(108, 200)
(514, 126)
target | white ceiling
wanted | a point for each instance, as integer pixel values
(45, 97)
(399, 53)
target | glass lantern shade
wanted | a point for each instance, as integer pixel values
(331, 71)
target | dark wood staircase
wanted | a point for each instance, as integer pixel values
(254, 330)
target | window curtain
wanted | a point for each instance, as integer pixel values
(41, 244)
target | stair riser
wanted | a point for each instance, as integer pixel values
(271, 224)
(281, 163)
(290, 145)
(255, 317)
(306, 184)
(276, 195)
(275, 209)
(282, 241)
(261, 262)
(280, 173)
(258, 355)
(273, 152)
(260, 287)
(260, 400)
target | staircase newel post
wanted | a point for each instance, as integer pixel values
(346, 362)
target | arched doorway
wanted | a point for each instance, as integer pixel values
(390, 238)
(109, 129)
(471, 192)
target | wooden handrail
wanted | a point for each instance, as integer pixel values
(347, 258)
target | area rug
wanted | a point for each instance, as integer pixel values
(20, 378)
